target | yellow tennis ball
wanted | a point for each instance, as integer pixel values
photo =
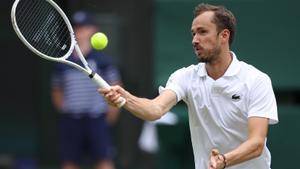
(99, 41)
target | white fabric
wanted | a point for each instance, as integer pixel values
(219, 109)
(148, 140)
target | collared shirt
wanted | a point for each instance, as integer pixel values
(219, 109)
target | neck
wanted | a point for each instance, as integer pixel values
(218, 67)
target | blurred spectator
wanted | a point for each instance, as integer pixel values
(85, 117)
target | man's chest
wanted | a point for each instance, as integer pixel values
(223, 100)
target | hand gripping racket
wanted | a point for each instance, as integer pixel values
(45, 29)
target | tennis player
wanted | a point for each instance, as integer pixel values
(230, 102)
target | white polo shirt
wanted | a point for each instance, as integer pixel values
(219, 109)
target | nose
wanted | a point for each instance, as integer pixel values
(195, 42)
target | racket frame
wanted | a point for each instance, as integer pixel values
(74, 46)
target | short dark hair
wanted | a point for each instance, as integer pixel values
(223, 18)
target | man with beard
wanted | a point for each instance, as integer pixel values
(230, 102)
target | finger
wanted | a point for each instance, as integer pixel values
(115, 88)
(110, 94)
(215, 152)
(210, 166)
(220, 157)
(115, 98)
(103, 90)
(213, 162)
(111, 103)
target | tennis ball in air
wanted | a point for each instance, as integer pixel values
(99, 41)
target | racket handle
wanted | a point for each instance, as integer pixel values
(121, 102)
(103, 84)
(99, 81)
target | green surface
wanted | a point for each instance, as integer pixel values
(267, 37)
(284, 138)
(175, 143)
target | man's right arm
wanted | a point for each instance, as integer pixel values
(143, 108)
(57, 98)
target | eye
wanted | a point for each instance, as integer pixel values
(193, 34)
(202, 31)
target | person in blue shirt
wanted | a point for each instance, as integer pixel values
(85, 117)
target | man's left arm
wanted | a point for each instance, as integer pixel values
(251, 148)
(262, 111)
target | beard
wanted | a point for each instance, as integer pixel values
(208, 56)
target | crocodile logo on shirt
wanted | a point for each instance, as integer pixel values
(236, 97)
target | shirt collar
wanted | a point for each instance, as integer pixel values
(232, 70)
(234, 66)
(202, 70)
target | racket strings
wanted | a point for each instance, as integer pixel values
(43, 27)
(22, 13)
(63, 32)
(28, 24)
(41, 11)
(48, 41)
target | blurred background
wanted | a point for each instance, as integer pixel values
(149, 39)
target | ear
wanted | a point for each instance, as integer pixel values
(225, 34)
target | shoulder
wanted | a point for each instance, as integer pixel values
(252, 75)
(192, 69)
(189, 69)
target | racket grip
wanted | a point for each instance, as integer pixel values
(122, 101)
(103, 84)
(100, 81)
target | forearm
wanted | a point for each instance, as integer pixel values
(254, 145)
(250, 149)
(146, 109)
(57, 98)
(143, 108)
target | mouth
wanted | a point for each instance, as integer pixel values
(198, 50)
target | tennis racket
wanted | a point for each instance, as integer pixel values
(45, 29)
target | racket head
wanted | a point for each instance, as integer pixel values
(44, 28)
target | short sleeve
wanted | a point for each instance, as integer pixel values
(177, 83)
(262, 102)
